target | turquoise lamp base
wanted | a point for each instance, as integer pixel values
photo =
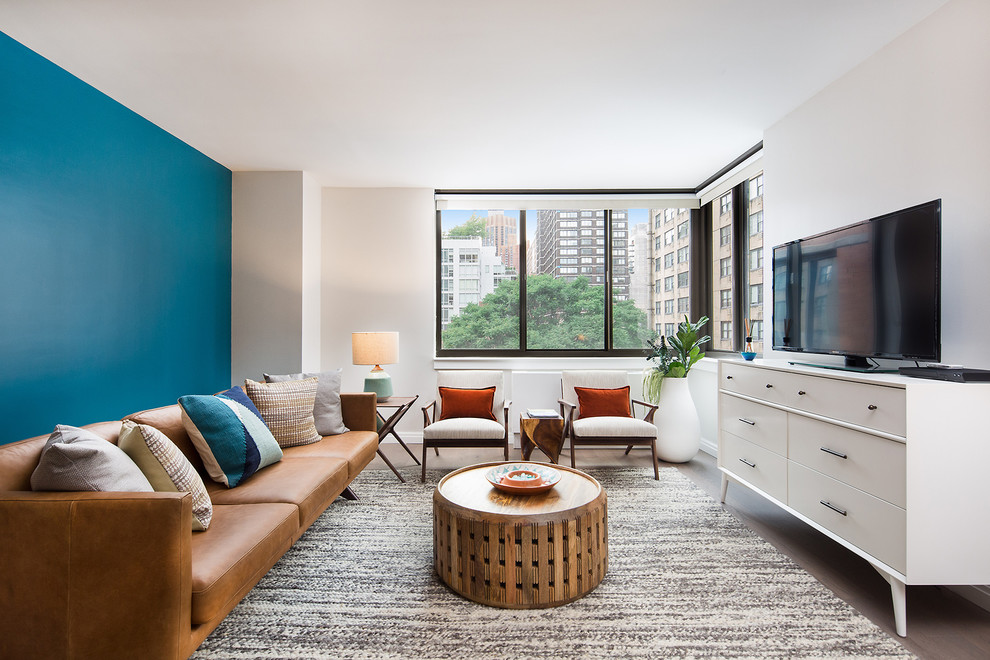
(380, 383)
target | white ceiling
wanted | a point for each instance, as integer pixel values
(462, 93)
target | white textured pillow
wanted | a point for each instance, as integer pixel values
(77, 459)
(166, 468)
(326, 409)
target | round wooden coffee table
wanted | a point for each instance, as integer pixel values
(520, 551)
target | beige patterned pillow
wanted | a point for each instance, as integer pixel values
(166, 468)
(287, 409)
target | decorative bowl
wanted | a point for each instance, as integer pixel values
(517, 478)
(748, 355)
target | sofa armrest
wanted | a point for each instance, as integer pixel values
(358, 410)
(95, 575)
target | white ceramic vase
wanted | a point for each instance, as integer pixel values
(679, 427)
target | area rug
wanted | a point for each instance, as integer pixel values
(685, 580)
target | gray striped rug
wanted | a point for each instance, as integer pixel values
(685, 580)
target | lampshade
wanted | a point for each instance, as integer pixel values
(375, 347)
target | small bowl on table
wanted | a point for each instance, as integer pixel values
(748, 355)
(523, 478)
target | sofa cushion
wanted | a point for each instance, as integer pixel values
(77, 459)
(356, 447)
(287, 409)
(600, 402)
(460, 428)
(168, 420)
(166, 468)
(309, 483)
(327, 408)
(243, 542)
(19, 459)
(229, 434)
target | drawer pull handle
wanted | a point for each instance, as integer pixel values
(833, 507)
(747, 421)
(801, 392)
(833, 452)
(743, 460)
(769, 385)
(728, 377)
(871, 407)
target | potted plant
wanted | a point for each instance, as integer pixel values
(665, 384)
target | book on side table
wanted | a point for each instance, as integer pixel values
(542, 413)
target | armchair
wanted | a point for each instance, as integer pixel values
(620, 428)
(463, 422)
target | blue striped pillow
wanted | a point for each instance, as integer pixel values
(229, 435)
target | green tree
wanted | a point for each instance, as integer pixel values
(473, 226)
(561, 315)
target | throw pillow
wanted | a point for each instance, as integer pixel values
(77, 459)
(166, 468)
(327, 413)
(603, 403)
(287, 409)
(458, 402)
(229, 434)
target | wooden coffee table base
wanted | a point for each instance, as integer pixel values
(519, 559)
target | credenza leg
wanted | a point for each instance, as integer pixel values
(898, 596)
(725, 488)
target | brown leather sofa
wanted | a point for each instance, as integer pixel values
(121, 575)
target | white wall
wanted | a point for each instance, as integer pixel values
(909, 125)
(312, 275)
(379, 267)
(267, 281)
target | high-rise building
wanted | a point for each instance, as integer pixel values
(671, 268)
(502, 232)
(640, 268)
(571, 244)
(469, 271)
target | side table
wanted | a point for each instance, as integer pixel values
(543, 433)
(401, 404)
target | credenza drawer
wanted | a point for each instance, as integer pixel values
(870, 463)
(875, 526)
(877, 407)
(760, 424)
(756, 465)
(764, 384)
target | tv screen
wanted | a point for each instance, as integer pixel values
(867, 290)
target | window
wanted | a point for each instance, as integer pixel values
(725, 204)
(668, 237)
(755, 294)
(756, 187)
(725, 267)
(756, 223)
(756, 258)
(683, 305)
(757, 330)
(668, 329)
(682, 230)
(668, 306)
(668, 260)
(682, 280)
(725, 298)
(668, 283)
(683, 254)
(725, 330)
(725, 235)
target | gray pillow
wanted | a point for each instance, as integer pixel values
(77, 459)
(326, 410)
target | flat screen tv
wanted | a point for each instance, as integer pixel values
(868, 290)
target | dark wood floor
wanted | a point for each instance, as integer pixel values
(941, 624)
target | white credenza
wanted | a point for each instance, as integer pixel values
(893, 468)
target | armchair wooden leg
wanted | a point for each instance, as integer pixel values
(506, 450)
(423, 478)
(436, 450)
(628, 449)
(656, 466)
(572, 453)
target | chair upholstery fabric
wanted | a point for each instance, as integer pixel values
(615, 427)
(466, 431)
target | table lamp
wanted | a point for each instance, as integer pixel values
(376, 348)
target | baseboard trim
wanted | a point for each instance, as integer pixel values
(709, 447)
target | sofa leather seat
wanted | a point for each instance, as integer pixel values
(250, 539)
(356, 447)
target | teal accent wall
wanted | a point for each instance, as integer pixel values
(114, 256)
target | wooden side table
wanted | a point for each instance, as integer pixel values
(520, 551)
(402, 404)
(543, 433)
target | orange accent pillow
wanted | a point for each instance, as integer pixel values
(456, 402)
(603, 403)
